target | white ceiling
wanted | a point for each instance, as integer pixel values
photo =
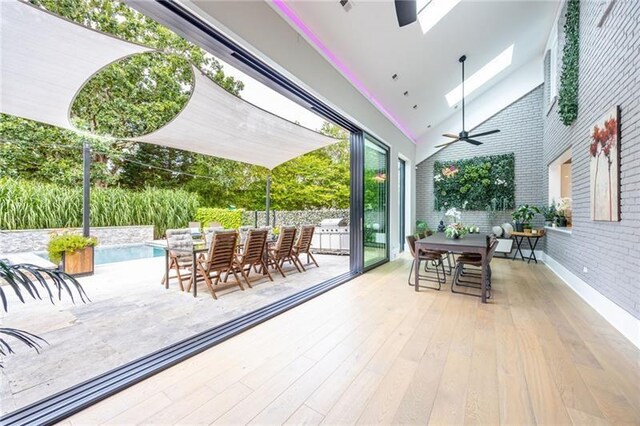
(369, 42)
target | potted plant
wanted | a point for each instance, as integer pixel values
(523, 216)
(561, 219)
(550, 213)
(455, 231)
(74, 251)
(422, 229)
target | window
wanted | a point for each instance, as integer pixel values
(560, 184)
(553, 67)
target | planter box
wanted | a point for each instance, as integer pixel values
(78, 263)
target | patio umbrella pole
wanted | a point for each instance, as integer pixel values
(86, 165)
(268, 198)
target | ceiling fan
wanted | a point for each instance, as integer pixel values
(464, 135)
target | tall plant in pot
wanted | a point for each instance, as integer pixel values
(523, 216)
(550, 213)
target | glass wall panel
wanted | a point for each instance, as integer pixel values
(376, 202)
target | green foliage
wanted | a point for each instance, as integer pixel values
(32, 205)
(568, 91)
(421, 227)
(473, 183)
(549, 212)
(66, 242)
(525, 214)
(230, 219)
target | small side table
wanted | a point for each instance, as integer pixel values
(518, 237)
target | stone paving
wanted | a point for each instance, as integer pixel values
(129, 316)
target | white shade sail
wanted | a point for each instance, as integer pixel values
(45, 60)
(215, 122)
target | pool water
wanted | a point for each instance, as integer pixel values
(112, 254)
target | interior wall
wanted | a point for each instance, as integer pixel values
(602, 254)
(520, 127)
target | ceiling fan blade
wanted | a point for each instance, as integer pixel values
(447, 143)
(490, 132)
(406, 12)
(451, 135)
(472, 141)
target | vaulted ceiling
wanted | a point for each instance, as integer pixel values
(371, 49)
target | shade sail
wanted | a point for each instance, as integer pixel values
(45, 60)
(216, 122)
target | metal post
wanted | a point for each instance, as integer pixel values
(86, 185)
(268, 199)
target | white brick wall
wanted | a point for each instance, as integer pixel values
(609, 75)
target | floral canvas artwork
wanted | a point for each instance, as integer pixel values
(604, 155)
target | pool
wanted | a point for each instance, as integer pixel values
(112, 254)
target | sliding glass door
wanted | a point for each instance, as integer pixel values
(402, 167)
(376, 202)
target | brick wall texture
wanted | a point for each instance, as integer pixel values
(609, 75)
(521, 129)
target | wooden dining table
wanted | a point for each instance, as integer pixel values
(470, 243)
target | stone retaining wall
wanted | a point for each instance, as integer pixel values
(37, 239)
(294, 217)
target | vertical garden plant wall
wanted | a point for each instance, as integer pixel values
(475, 183)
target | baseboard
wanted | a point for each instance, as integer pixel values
(620, 319)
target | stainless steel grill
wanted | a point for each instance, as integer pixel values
(331, 237)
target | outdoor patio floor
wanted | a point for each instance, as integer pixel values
(130, 315)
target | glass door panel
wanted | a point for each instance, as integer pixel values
(376, 203)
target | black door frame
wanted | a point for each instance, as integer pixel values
(402, 197)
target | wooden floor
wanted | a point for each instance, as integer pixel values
(374, 351)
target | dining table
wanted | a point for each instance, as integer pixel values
(197, 248)
(470, 243)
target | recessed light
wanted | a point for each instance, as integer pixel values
(394, 77)
(415, 107)
(484, 74)
(428, 126)
(406, 93)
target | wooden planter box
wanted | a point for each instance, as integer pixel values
(78, 263)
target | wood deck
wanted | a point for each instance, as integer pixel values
(374, 351)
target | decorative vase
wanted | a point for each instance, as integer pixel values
(456, 237)
(519, 227)
(562, 222)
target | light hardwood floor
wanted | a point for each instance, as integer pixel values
(374, 351)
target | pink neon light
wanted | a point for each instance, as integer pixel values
(340, 65)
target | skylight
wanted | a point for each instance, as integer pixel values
(430, 12)
(484, 74)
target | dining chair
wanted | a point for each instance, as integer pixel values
(303, 245)
(253, 255)
(427, 256)
(219, 261)
(180, 245)
(283, 250)
(465, 276)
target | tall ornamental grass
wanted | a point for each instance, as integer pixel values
(33, 205)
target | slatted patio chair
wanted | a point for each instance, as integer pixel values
(253, 255)
(243, 231)
(283, 250)
(303, 245)
(434, 257)
(219, 260)
(180, 244)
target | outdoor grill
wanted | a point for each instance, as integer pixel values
(331, 237)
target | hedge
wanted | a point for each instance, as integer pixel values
(230, 219)
(33, 205)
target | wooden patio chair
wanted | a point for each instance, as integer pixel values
(253, 255)
(219, 260)
(427, 256)
(180, 244)
(303, 245)
(283, 250)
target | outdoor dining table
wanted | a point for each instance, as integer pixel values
(198, 247)
(471, 243)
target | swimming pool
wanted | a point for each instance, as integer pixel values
(112, 254)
